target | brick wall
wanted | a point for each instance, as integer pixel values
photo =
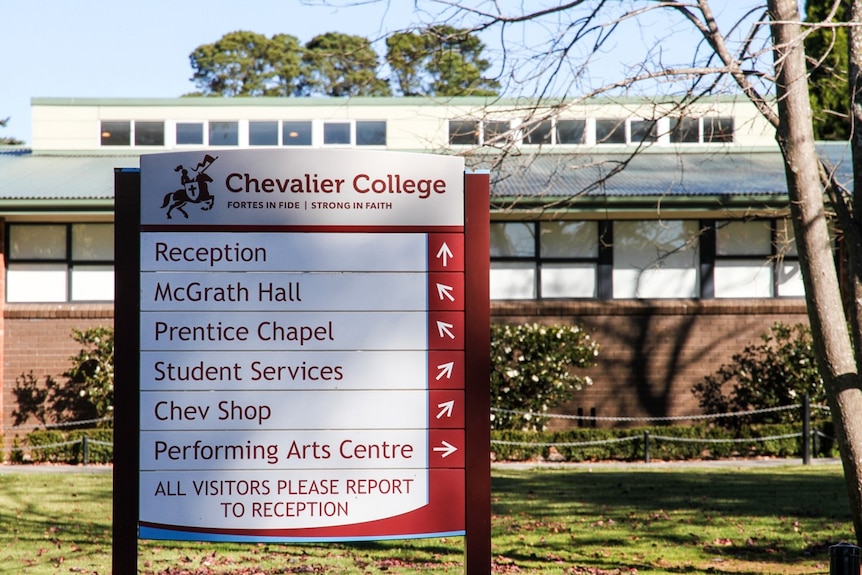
(38, 338)
(652, 352)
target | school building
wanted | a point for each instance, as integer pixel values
(662, 231)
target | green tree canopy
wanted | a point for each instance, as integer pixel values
(339, 64)
(826, 48)
(439, 61)
(248, 64)
(6, 140)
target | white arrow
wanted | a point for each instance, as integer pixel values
(447, 406)
(444, 253)
(446, 449)
(444, 291)
(445, 370)
(445, 328)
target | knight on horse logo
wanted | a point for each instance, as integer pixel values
(195, 188)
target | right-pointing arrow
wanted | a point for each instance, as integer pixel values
(446, 449)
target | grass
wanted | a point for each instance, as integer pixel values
(573, 521)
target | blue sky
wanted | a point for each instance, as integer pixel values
(116, 48)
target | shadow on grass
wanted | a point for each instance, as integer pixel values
(640, 519)
(729, 493)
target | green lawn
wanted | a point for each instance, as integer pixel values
(575, 521)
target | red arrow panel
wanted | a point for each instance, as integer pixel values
(446, 408)
(445, 252)
(445, 330)
(445, 370)
(445, 291)
(445, 448)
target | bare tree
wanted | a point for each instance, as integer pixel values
(557, 50)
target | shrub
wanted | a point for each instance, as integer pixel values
(88, 392)
(532, 371)
(777, 372)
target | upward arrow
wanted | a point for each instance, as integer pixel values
(444, 253)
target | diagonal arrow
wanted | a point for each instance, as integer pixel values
(445, 370)
(444, 328)
(445, 292)
(444, 253)
(447, 406)
(446, 449)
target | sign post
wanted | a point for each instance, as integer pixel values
(303, 347)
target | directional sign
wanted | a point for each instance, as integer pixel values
(302, 330)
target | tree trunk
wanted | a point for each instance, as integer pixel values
(834, 351)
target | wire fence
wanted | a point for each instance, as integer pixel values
(805, 434)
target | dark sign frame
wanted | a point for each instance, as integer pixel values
(127, 183)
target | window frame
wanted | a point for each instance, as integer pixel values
(537, 263)
(68, 261)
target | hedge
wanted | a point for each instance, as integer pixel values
(55, 446)
(575, 445)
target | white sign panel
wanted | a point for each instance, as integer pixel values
(291, 302)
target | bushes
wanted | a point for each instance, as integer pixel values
(88, 392)
(55, 446)
(778, 371)
(687, 443)
(531, 371)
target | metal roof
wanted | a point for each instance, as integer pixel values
(649, 173)
(60, 177)
(79, 179)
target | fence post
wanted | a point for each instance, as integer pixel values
(844, 559)
(646, 446)
(85, 449)
(806, 430)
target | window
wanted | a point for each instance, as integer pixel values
(655, 259)
(463, 132)
(60, 262)
(190, 133)
(336, 133)
(742, 259)
(224, 134)
(513, 265)
(789, 280)
(756, 259)
(263, 133)
(717, 130)
(644, 259)
(643, 131)
(545, 260)
(370, 133)
(495, 132)
(149, 133)
(684, 130)
(610, 131)
(569, 253)
(296, 133)
(538, 134)
(116, 133)
(122, 133)
(571, 131)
